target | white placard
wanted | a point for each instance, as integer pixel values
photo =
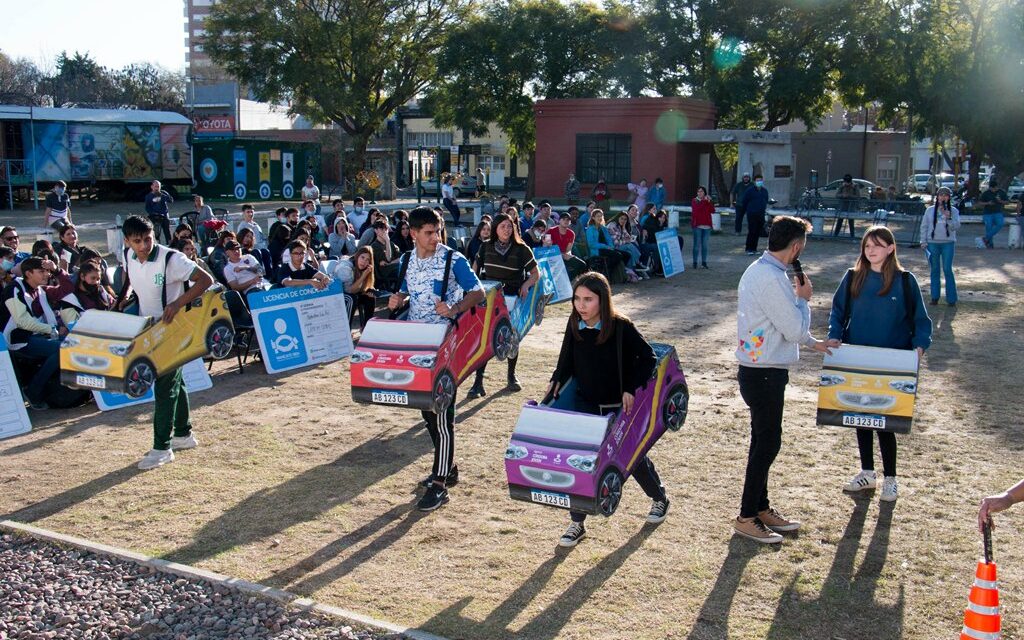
(193, 373)
(13, 416)
(669, 252)
(553, 273)
(300, 326)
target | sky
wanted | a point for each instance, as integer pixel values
(116, 33)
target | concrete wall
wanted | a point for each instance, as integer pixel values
(811, 151)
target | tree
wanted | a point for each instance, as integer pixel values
(79, 81)
(147, 86)
(496, 64)
(350, 62)
(19, 81)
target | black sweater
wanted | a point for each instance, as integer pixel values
(594, 365)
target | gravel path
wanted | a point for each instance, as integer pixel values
(48, 591)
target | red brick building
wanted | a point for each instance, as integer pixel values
(622, 140)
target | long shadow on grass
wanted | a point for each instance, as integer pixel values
(844, 591)
(549, 622)
(307, 495)
(945, 350)
(713, 619)
(401, 516)
(71, 497)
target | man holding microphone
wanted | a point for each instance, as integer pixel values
(773, 320)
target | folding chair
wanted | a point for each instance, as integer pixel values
(245, 330)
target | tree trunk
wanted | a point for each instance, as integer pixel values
(353, 162)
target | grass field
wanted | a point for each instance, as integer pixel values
(297, 487)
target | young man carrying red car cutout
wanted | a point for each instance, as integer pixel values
(421, 290)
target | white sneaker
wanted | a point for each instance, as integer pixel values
(156, 458)
(185, 442)
(889, 489)
(861, 482)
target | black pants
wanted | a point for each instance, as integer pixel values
(755, 224)
(613, 257)
(367, 306)
(511, 369)
(442, 434)
(453, 209)
(764, 391)
(887, 442)
(644, 473)
(739, 218)
(161, 223)
(845, 206)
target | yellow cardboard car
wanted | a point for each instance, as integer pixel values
(122, 353)
(868, 388)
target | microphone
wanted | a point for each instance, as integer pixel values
(798, 268)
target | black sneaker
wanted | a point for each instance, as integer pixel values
(513, 383)
(434, 497)
(705, 266)
(476, 391)
(658, 512)
(572, 535)
(453, 478)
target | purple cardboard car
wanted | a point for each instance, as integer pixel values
(561, 458)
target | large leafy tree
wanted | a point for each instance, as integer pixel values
(19, 80)
(496, 64)
(350, 62)
(80, 81)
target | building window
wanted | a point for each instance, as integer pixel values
(428, 139)
(493, 163)
(608, 156)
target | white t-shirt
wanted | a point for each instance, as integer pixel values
(357, 217)
(447, 191)
(311, 193)
(148, 278)
(245, 269)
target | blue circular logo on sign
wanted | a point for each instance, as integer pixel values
(287, 191)
(240, 191)
(208, 169)
(265, 190)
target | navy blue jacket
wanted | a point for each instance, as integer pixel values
(880, 321)
(755, 200)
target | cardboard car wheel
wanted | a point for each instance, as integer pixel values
(219, 339)
(677, 403)
(609, 492)
(504, 340)
(538, 310)
(140, 378)
(444, 391)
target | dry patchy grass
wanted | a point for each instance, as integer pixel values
(297, 487)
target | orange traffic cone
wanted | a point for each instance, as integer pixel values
(981, 617)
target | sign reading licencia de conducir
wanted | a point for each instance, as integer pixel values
(13, 417)
(553, 273)
(669, 252)
(300, 326)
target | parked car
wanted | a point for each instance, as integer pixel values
(419, 364)
(466, 185)
(1015, 188)
(123, 353)
(865, 187)
(561, 458)
(917, 183)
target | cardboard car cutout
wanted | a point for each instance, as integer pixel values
(110, 351)
(868, 388)
(562, 458)
(419, 365)
(527, 313)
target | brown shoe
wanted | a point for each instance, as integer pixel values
(754, 529)
(776, 522)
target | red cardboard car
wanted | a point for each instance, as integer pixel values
(419, 365)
